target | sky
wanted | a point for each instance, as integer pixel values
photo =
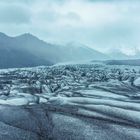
(104, 25)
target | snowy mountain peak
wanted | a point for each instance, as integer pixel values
(124, 53)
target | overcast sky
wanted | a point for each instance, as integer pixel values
(101, 24)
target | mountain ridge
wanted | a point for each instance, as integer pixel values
(40, 52)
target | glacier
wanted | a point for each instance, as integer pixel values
(70, 101)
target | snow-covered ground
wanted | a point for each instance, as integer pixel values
(105, 93)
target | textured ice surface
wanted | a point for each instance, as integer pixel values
(78, 102)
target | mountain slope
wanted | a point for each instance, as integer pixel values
(82, 52)
(17, 59)
(12, 55)
(58, 53)
(28, 50)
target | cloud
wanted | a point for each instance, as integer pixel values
(13, 13)
(102, 24)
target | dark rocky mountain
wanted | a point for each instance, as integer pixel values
(77, 51)
(27, 51)
(13, 54)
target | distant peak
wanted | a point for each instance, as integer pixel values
(27, 35)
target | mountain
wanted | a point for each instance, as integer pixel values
(79, 51)
(12, 55)
(57, 53)
(27, 50)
